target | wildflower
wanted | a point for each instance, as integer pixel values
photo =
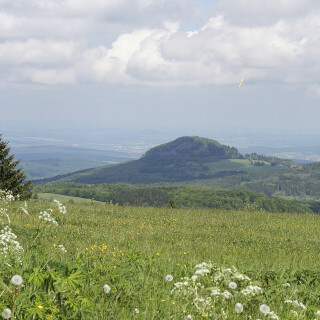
(47, 217)
(17, 280)
(61, 208)
(232, 285)
(286, 284)
(239, 307)
(169, 277)
(296, 303)
(106, 289)
(40, 307)
(264, 309)
(216, 292)
(62, 248)
(6, 314)
(226, 294)
(8, 243)
(251, 291)
(136, 310)
(189, 316)
(202, 272)
(295, 313)
(317, 313)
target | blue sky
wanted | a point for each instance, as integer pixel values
(160, 64)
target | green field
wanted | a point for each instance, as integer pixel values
(132, 250)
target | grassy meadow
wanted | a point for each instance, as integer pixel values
(133, 249)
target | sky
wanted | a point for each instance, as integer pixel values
(160, 65)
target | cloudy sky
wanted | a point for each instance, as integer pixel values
(161, 64)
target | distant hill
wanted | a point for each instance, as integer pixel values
(184, 159)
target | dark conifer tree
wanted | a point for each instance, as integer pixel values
(12, 179)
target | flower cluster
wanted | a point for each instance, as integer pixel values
(46, 216)
(62, 209)
(62, 248)
(9, 244)
(211, 290)
(4, 217)
(296, 303)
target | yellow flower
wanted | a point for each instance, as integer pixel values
(158, 254)
(40, 307)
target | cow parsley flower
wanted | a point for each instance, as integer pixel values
(17, 280)
(46, 216)
(61, 208)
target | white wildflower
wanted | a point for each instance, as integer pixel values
(61, 208)
(106, 289)
(169, 277)
(9, 244)
(46, 216)
(232, 285)
(286, 284)
(226, 294)
(238, 308)
(6, 314)
(317, 313)
(216, 292)
(202, 272)
(17, 280)
(272, 315)
(296, 303)
(295, 313)
(264, 309)
(194, 277)
(62, 248)
(251, 291)
(136, 310)
(189, 316)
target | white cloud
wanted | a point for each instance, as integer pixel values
(68, 41)
(38, 52)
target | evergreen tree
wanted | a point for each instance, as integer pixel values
(12, 179)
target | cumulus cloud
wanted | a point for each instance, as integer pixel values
(146, 42)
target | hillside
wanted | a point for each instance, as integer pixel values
(184, 159)
(183, 197)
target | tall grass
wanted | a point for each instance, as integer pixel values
(132, 250)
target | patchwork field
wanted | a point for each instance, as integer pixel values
(132, 250)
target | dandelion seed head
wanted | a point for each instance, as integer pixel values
(238, 308)
(232, 285)
(169, 277)
(264, 309)
(6, 314)
(16, 280)
(106, 289)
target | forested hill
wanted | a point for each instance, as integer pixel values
(182, 196)
(184, 159)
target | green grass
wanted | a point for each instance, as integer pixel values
(64, 199)
(133, 249)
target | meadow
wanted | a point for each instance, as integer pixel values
(104, 261)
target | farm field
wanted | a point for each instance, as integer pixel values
(132, 250)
